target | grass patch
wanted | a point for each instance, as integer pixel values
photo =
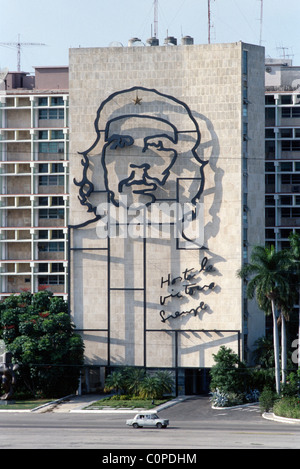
(125, 402)
(24, 405)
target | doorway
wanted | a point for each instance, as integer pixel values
(196, 381)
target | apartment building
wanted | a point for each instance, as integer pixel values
(282, 151)
(34, 138)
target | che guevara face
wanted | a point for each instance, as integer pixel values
(137, 157)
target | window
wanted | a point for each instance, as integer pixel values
(43, 267)
(286, 133)
(45, 114)
(57, 201)
(43, 134)
(290, 212)
(285, 233)
(43, 101)
(51, 280)
(286, 99)
(51, 147)
(43, 168)
(57, 135)
(270, 234)
(270, 200)
(269, 99)
(286, 200)
(51, 213)
(245, 62)
(286, 166)
(270, 149)
(43, 201)
(59, 267)
(57, 234)
(51, 246)
(296, 112)
(51, 180)
(286, 112)
(270, 167)
(57, 168)
(269, 133)
(57, 101)
(43, 234)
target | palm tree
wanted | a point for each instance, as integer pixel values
(269, 281)
(295, 271)
(115, 381)
(166, 381)
(134, 378)
(149, 387)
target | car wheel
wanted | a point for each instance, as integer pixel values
(135, 425)
(159, 425)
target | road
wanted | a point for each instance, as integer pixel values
(193, 426)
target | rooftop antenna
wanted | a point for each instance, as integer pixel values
(155, 18)
(209, 20)
(18, 45)
(261, 21)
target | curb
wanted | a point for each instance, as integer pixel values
(276, 418)
(127, 411)
(234, 406)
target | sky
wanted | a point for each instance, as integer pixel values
(63, 24)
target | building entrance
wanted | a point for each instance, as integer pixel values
(196, 381)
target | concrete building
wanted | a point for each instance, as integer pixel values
(34, 139)
(282, 81)
(282, 151)
(157, 131)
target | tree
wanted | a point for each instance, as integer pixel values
(268, 280)
(228, 373)
(294, 258)
(133, 379)
(115, 382)
(37, 330)
(150, 387)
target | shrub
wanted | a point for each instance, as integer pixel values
(288, 407)
(136, 382)
(229, 374)
(267, 399)
(291, 387)
(219, 398)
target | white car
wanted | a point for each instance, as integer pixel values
(147, 420)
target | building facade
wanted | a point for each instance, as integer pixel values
(166, 200)
(282, 166)
(282, 151)
(34, 139)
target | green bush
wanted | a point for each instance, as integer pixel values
(288, 407)
(291, 387)
(135, 382)
(267, 399)
(229, 374)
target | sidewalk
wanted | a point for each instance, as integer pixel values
(78, 404)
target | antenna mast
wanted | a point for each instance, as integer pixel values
(18, 45)
(261, 21)
(208, 11)
(209, 19)
(155, 18)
